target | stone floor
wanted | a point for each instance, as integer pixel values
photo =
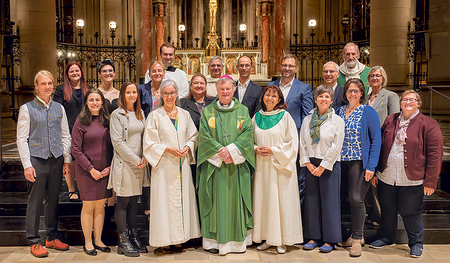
(398, 253)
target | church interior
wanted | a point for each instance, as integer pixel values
(409, 38)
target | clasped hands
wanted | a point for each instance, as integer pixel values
(98, 175)
(263, 151)
(225, 155)
(176, 152)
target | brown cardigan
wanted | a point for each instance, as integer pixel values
(423, 148)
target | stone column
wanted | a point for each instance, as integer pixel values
(226, 22)
(159, 13)
(146, 34)
(279, 34)
(389, 40)
(439, 53)
(36, 20)
(266, 12)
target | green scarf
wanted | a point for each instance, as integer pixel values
(314, 125)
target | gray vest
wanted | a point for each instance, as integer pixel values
(45, 129)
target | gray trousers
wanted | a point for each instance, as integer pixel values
(46, 188)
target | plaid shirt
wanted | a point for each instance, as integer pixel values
(394, 174)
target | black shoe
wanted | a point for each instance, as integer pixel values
(212, 250)
(92, 252)
(134, 240)
(102, 249)
(125, 246)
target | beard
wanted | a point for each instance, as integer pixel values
(352, 64)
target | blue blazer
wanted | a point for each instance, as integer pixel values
(338, 100)
(299, 101)
(252, 97)
(145, 93)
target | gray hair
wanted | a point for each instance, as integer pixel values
(383, 73)
(350, 44)
(331, 62)
(215, 57)
(166, 83)
(225, 80)
(321, 89)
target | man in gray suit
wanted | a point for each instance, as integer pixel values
(247, 92)
(330, 75)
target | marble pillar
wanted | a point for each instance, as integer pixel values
(389, 40)
(160, 13)
(279, 37)
(36, 20)
(266, 13)
(146, 34)
(439, 52)
(226, 22)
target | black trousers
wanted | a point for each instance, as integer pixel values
(322, 217)
(354, 184)
(46, 188)
(406, 200)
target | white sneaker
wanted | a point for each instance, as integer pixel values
(281, 249)
(263, 246)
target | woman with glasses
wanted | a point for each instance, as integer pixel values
(107, 72)
(170, 140)
(71, 96)
(385, 103)
(359, 157)
(409, 167)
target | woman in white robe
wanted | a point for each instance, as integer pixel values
(170, 139)
(276, 202)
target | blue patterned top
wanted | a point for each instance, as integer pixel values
(351, 149)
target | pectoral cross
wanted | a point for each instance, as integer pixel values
(226, 136)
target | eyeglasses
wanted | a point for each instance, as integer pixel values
(106, 71)
(287, 66)
(371, 76)
(409, 100)
(169, 94)
(329, 71)
(355, 91)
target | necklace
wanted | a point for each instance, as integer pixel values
(171, 113)
(226, 131)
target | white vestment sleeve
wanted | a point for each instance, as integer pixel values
(236, 155)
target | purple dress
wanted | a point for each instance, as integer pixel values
(91, 148)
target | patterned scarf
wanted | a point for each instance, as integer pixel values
(314, 125)
(402, 127)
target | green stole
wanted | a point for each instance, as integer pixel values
(224, 193)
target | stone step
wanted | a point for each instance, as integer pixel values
(436, 230)
(12, 231)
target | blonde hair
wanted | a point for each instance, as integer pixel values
(43, 73)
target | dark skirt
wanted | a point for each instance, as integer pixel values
(89, 188)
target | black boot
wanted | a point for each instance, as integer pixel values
(125, 246)
(136, 242)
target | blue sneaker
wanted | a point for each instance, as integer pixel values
(310, 246)
(416, 251)
(326, 248)
(382, 242)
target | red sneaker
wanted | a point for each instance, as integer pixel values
(56, 244)
(38, 251)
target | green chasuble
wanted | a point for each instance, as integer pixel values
(224, 193)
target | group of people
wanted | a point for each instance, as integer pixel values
(244, 164)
